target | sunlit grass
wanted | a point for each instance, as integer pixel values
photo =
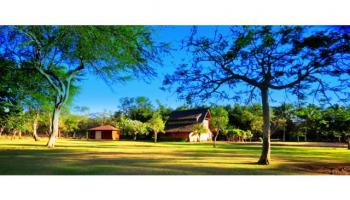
(25, 156)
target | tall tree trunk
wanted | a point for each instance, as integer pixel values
(155, 137)
(50, 124)
(20, 134)
(135, 137)
(284, 133)
(54, 133)
(62, 88)
(216, 136)
(265, 154)
(35, 128)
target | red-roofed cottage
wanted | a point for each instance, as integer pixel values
(106, 132)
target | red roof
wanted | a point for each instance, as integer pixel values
(104, 128)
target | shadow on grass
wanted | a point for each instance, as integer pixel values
(168, 158)
(31, 163)
(59, 162)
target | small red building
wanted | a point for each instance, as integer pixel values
(105, 132)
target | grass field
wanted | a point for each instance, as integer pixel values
(26, 157)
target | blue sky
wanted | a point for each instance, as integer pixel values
(99, 97)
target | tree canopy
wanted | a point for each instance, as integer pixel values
(63, 54)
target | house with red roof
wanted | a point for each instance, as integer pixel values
(105, 132)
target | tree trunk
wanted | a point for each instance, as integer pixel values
(135, 137)
(298, 138)
(265, 154)
(35, 128)
(1, 130)
(216, 136)
(305, 138)
(348, 143)
(20, 134)
(155, 137)
(54, 133)
(50, 124)
(14, 134)
(62, 94)
(284, 133)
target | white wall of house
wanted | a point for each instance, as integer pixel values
(205, 137)
(98, 135)
(202, 138)
(193, 137)
(206, 123)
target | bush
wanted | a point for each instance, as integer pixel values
(236, 134)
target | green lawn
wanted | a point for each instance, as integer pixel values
(24, 156)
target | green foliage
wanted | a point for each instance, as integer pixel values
(105, 50)
(61, 55)
(290, 58)
(132, 127)
(139, 108)
(163, 110)
(219, 118)
(23, 95)
(199, 129)
(156, 123)
(70, 123)
(335, 122)
(236, 133)
(246, 117)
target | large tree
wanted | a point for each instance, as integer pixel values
(242, 60)
(62, 54)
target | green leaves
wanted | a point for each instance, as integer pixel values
(199, 129)
(269, 40)
(156, 123)
(132, 127)
(233, 133)
(219, 118)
